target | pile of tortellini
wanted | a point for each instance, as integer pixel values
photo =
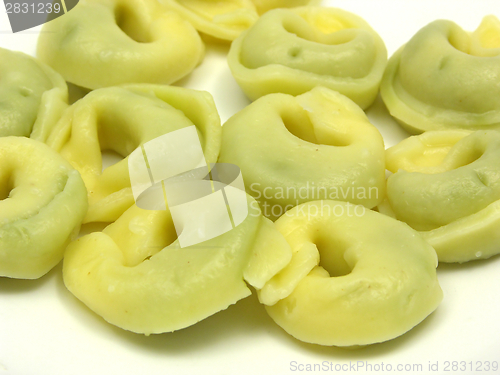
(337, 253)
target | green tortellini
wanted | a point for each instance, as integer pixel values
(446, 78)
(121, 119)
(356, 277)
(136, 276)
(292, 51)
(319, 145)
(220, 19)
(43, 201)
(30, 92)
(446, 184)
(104, 43)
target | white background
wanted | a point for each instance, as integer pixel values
(45, 330)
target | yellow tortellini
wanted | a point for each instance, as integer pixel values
(446, 78)
(446, 184)
(294, 50)
(104, 43)
(120, 119)
(221, 19)
(30, 92)
(319, 145)
(136, 276)
(265, 5)
(356, 277)
(42, 204)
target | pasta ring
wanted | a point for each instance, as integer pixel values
(115, 118)
(376, 278)
(445, 78)
(30, 92)
(104, 43)
(135, 275)
(221, 19)
(446, 184)
(292, 51)
(42, 204)
(319, 145)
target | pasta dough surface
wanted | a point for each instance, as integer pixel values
(104, 43)
(221, 19)
(30, 92)
(318, 145)
(121, 119)
(356, 277)
(446, 78)
(446, 184)
(42, 204)
(294, 50)
(265, 5)
(135, 275)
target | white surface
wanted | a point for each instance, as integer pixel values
(45, 330)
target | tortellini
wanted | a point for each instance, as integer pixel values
(319, 145)
(121, 119)
(292, 51)
(221, 19)
(136, 276)
(356, 277)
(42, 204)
(30, 92)
(104, 43)
(446, 184)
(446, 78)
